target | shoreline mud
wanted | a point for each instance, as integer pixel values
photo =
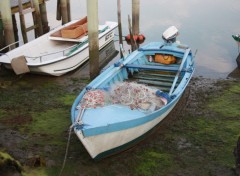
(197, 138)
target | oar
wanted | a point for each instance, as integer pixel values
(179, 70)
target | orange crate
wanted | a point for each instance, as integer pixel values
(74, 31)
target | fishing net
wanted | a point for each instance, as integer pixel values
(132, 94)
(94, 98)
(136, 96)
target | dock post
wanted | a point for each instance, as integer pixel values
(69, 10)
(15, 29)
(64, 11)
(5, 8)
(1, 33)
(58, 13)
(38, 18)
(120, 25)
(92, 14)
(135, 17)
(43, 12)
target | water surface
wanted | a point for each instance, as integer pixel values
(206, 26)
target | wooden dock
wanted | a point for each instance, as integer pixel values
(8, 26)
(26, 4)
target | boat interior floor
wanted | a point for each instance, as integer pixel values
(115, 113)
(157, 79)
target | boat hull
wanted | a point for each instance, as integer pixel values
(65, 64)
(104, 145)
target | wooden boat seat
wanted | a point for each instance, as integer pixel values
(154, 67)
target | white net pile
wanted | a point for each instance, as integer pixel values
(132, 94)
(136, 96)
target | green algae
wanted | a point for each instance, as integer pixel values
(8, 163)
(217, 137)
(3, 113)
(40, 171)
(151, 162)
(50, 122)
(67, 99)
(228, 102)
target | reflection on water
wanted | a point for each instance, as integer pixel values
(106, 54)
(206, 26)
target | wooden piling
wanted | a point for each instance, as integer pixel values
(43, 12)
(38, 18)
(119, 25)
(15, 29)
(58, 13)
(69, 10)
(6, 14)
(135, 16)
(64, 11)
(92, 13)
(1, 33)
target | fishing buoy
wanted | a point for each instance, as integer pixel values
(128, 39)
(141, 38)
(137, 38)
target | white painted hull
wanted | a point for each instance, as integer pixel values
(64, 64)
(97, 145)
(58, 63)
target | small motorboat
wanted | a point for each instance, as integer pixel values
(57, 52)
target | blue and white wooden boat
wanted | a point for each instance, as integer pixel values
(112, 128)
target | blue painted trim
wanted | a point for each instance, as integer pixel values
(129, 124)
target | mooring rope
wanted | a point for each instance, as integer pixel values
(77, 122)
(66, 152)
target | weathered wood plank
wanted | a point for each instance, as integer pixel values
(156, 83)
(26, 4)
(154, 78)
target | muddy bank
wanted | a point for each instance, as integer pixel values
(197, 138)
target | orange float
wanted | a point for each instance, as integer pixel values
(138, 38)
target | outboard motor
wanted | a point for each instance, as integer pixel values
(170, 35)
